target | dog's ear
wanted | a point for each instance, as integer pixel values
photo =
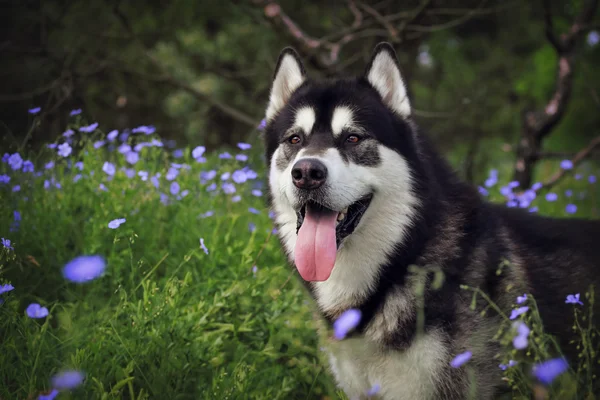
(289, 75)
(383, 73)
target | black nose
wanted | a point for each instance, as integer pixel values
(309, 173)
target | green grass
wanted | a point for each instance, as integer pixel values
(167, 320)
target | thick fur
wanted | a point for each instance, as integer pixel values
(421, 214)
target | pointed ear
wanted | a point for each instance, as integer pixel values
(383, 73)
(289, 75)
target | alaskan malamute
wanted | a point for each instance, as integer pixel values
(360, 195)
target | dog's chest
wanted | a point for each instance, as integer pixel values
(359, 364)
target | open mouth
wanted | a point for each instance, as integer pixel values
(320, 234)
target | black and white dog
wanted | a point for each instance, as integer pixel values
(359, 195)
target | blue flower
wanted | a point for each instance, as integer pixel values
(144, 129)
(212, 187)
(207, 176)
(511, 363)
(346, 322)
(253, 210)
(64, 150)
(483, 191)
(124, 148)
(174, 189)
(224, 155)
(536, 186)
(79, 165)
(155, 181)
(241, 157)
(203, 246)
(84, 268)
(16, 188)
(551, 197)
(549, 370)
(244, 146)
(108, 168)
(27, 166)
(207, 214)
(251, 174)
(591, 179)
(251, 226)
(518, 311)
(129, 172)
(460, 359)
(568, 193)
(115, 223)
(34, 310)
(237, 198)
(228, 188)
(521, 299)
(15, 161)
(566, 164)
(143, 175)
(571, 208)
(262, 125)
(172, 174)
(49, 396)
(198, 152)
(68, 133)
(49, 165)
(35, 110)
(67, 380)
(373, 390)
(112, 135)
(239, 176)
(256, 193)
(75, 112)
(573, 299)
(99, 144)
(6, 288)
(132, 157)
(178, 153)
(4, 178)
(520, 340)
(17, 215)
(225, 176)
(89, 128)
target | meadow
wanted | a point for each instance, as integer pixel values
(185, 293)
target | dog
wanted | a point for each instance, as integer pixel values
(360, 194)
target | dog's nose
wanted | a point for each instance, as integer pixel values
(309, 173)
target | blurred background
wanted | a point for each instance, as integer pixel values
(483, 74)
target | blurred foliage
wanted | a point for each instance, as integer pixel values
(473, 67)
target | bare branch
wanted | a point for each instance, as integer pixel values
(392, 31)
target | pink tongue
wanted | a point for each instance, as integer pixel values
(316, 247)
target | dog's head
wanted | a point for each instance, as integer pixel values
(339, 156)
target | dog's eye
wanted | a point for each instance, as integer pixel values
(353, 139)
(294, 139)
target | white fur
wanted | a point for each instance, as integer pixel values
(385, 77)
(288, 78)
(358, 364)
(343, 118)
(305, 119)
(381, 229)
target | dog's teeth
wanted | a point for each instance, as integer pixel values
(341, 216)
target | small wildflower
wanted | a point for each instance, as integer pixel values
(174, 189)
(112, 135)
(262, 125)
(35, 110)
(17, 215)
(203, 246)
(224, 156)
(155, 181)
(228, 188)
(108, 168)
(549, 370)
(4, 178)
(533, 209)
(49, 165)
(241, 157)
(75, 112)
(251, 226)
(212, 187)
(225, 176)
(573, 299)
(551, 196)
(256, 193)
(68, 133)
(6, 288)
(207, 214)
(483, 191)
(143, 175)
(207, 176)
(67, 380)
(198, 152)
(568, 193)
(124, 148)
(50, 396)
(15, 161)
(251, 174)
(89, 128)
(521, 299)
(244, 146)
(34, 310)
(16, 188)
(373, 390)
(103, 187)
(566, 164)
(64, 150)
(578, 177)
(591, 179)
(253, 210)
(460, 359)
(518, 311)
(147, 130)
(98, 144)
(346, 322)
(571, 208)
(254, 269)
(511, 363)
(536, 186)
(27, 166)
(520, 340)
(132, 157)
(84, 268)
(79, 165)
(178, 153)
(236, 199)
(239, 176)
(115, 223)
(172, 174)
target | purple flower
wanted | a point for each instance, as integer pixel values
(547, 371)
(207, 214)
(68, 133)
(262, 124)
(518, 311)
(513, 184)
(129, 172)
(346, 322)
(198, 152)
(108, 168)
(155, 181)
(224, 155)
(483, 191)
(244, 146)
(143, 175)
(521, 299)
(89, 128)
(174, 189)
(67, 380)
(6, 288)
(251, 174)
(27, 166)
(253, 210)
(84, 268)
(112, 135)
(76, 178)
(49, 165)
(566, 164)
(239, 176)
(35, 110)
(573, 299)
(551, 197)
(115, 223)
(460, 359)
(593, 38)
(568, 193)
(99, 144)
(144, 129)
(49, 396)
(237, 198)
(64, 150)
(228, 188)
(203, 246)
(571, 208)
(520, 340)
(256, 193)
(75, 112)
(373, 390)
(17, 215)
(591, 179)
(212, 187)
(34, 310)
(251, 226)
(536, 186)
(15, 161)
(178, 153)
(79, 165)
(103, 187)
(207, 176)
(4, 178)
(578, 177)
(241, 157)
(172, 174)
(16, 188)
(225, 176)
(511, 363)
(124, 148)
(254, 269)
(132, 157)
